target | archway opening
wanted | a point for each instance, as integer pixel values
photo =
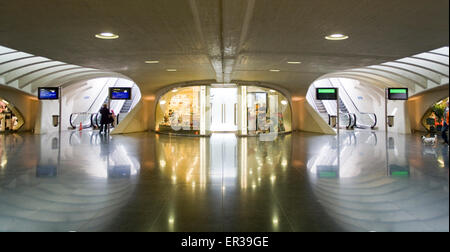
(206, 109)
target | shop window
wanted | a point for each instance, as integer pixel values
(178, 111)
(201, 110)
(433, 119)
(10, 117)
(267, 111)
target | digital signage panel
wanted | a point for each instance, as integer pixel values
(120, 93)
(398, 94)
(326, 93)
(48, 93)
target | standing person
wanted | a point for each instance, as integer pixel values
(112, 119)
(445, 126)
(104, 111)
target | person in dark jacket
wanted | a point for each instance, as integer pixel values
(104, 111)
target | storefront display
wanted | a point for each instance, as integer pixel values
(267, 110)
(10, 119)
(201, 110)
(433, 120)
(179, 111)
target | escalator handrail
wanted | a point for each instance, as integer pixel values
(349, 119)
(97, 123)
(374, 117)
(344, 114)
(357, 109)
(362, 126)
(352, 120)
(96, 120)
(70, 120)
(80, 113)
(92, 121)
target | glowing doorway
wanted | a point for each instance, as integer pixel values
(223, 109)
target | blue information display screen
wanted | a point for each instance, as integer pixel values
(50, 93)
(118, 93)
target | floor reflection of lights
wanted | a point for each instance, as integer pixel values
(225, 183)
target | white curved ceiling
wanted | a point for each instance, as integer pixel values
(226, 40)
(418, 72)
(28, 72)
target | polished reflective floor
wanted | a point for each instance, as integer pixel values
(363, 181)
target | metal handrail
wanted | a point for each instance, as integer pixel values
(352, 121)
(97, 121)
(344, 114)
(374, 119)
(85, 113)
(356, 107)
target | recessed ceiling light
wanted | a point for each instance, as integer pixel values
(336, 36)
(106, 35)
(152, 61)
(171, 70)
(294, 62)
(275, 70)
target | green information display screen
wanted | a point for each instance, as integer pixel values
(399, 171)
(398, 94)
(326, 93)
(327, 171)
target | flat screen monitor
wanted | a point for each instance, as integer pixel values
(120, 93)
(119, 171)
(46, 171)
(326, 93)
(397, 94)
(327, 171)
(399, 171)
(48, 93)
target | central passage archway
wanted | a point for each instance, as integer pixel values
(205, 109)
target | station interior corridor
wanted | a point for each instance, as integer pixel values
(151, 182)
(224, 116)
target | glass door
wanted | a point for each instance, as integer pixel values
(223, 109)
(257, 111)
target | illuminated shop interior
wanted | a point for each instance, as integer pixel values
(202, 110)
(10, 117)
(433, 120)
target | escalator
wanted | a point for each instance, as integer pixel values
(361, 120)
(85, 119)
(342, 107)
(126, 106)
(92, 118)
(350, 116)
